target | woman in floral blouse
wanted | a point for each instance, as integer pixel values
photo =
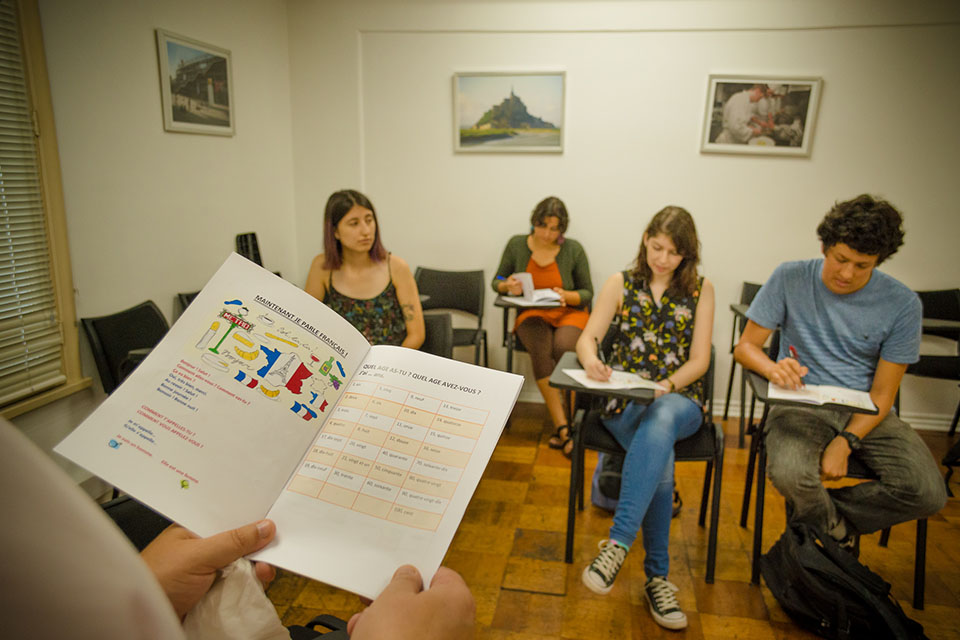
(664, 311)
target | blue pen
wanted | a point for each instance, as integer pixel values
(500, 278)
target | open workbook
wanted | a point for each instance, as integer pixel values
(262, 402)
(618, 380)
(824, 395)
(533, 297)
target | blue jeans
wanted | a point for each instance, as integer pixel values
(648, 433)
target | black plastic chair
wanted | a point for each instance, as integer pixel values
(458, 291)
(855, 469)
(249, 248)
(184, 299)
(120, 341)
(747, 293)
(439, 334)
(706, 445)
(941, 305)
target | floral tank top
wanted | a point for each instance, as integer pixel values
(379, 319)
(654, 341)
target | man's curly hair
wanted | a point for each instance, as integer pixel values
(868, 226)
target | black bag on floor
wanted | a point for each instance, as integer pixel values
(826, 590)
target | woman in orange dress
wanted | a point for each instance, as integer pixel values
(557, 263)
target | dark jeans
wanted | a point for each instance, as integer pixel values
(909, 484)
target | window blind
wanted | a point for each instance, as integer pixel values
(31, 354)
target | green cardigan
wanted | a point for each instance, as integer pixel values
(571, 261)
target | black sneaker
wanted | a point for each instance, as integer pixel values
(599, 575)
(677, 502)
(662, 601)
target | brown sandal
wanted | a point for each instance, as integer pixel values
(559, 440)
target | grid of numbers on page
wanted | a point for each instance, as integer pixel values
(391, 453)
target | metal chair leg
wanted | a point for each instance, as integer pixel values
(706, 494)
(714, 516)
(751, 466)
(576, 484)
(956, 419)
(758, 518)
(920, 564)
(743, 397)
(733, 373)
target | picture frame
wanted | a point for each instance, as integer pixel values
(196, 85)
(760, 115)
(509, 111)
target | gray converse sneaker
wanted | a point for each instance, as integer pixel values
(599, 575)
(661, 596)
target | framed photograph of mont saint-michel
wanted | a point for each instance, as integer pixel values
(508, 112)
(196, 85)
(761, 115)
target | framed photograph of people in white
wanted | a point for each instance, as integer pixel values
(196, 86)
(760, 115)
(508, 112)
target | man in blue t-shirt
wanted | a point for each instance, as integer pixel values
(844, 323)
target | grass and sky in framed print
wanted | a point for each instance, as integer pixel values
(508, 112)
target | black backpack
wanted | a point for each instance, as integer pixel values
(826, 590)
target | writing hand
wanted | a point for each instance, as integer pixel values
(513, 286)
(833, 461)
(787, 373)
(596, 370)
(404, 611)
(185, 565)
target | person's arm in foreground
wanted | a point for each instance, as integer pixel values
(404, 611)
(186, 565)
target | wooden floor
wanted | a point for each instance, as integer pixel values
(509, 549)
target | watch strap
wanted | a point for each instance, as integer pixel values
(852, 439)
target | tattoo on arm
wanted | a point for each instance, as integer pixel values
(408, 314)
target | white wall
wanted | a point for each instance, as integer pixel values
(151, 213)
(338, 93)
(636, 90)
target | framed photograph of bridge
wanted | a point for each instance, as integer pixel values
(196, 86)
(508, 112)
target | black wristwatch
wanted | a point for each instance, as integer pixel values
(852, 439)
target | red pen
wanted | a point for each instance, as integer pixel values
(796, 356)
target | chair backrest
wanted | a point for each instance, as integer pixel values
(458, 290)
(943, 304)
(185, 299)
(439, 334)
(748, 292)
(249, 248)
(112, 338)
